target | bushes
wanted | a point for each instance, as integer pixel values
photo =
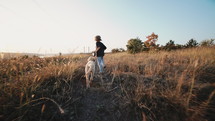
(134, 45)
(191, 43)
(117, 50)
(209, 42)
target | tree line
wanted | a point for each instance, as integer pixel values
(136, 45)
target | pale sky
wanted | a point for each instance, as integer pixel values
(53, 26)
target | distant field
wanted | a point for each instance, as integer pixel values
(151, 86)
(4, 55)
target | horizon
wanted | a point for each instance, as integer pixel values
(53, 26)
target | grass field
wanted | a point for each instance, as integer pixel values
(154, 86)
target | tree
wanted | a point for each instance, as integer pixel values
(151, 40)
(209, 42)
(117, 50)
(60, 53)
(179, 46)
(134, 45)
(170, 45)
(191, 43)
(121, 49)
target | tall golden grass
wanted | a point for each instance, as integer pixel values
(176, 77)
(23, 81)
(165, 86)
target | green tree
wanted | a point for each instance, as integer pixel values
(115, 50)
(170, 45)
(179, 46)
(121, 49)
(191, 43)
(209, 42)
(134, 45)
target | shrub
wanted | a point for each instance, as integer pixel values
(191, 43)
(134, 45)
(209, 42)
(116, 50)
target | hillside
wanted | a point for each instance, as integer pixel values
(154, 86)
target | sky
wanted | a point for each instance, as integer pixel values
(69, 26)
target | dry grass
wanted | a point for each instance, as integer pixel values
(169, 82)
(29, 82)
(164, 86)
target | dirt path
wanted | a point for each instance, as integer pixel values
(99, 102)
